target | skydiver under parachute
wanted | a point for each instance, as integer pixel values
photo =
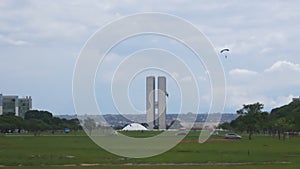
(224, 50)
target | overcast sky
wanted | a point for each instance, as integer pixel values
(40, 42)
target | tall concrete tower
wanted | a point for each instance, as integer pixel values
(162, 93)
(150, 101)
(152, 105)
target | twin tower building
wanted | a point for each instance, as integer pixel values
(156, 102)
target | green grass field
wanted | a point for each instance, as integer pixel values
(78, 151)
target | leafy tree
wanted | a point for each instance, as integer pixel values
(41, 115)
(36, 121)
(282, 125)
(55, 123)
(11, 123)
(36, 126)
(280, 120)
(250, 117)
(290, 114)
(297, 122)
(265, 122)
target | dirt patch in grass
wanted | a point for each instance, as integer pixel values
(89, 165)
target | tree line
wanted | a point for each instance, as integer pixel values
(252, 119)
(280, 121)
(36, 121)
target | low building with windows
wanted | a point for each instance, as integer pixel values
(11, 104)
(25, 104)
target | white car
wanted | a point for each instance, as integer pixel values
(232, 136)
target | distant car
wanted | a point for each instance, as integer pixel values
(232, 136)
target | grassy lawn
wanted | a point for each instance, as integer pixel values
(78, 151)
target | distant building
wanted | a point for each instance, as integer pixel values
(15, 105)
(160, 105)
(134, 127)
(25, 104)
(296, 99)
(10, 105)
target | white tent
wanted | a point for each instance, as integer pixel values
(134, 127)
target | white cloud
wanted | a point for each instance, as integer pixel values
(275, 86)
(242, 72)
(283, 66)
(54, 20)
(279, 101)
(10, 41)
(269, 102)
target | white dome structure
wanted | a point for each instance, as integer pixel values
(134, 127)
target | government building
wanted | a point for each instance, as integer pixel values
(11, 104)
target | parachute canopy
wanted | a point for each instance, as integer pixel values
(224, 50)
